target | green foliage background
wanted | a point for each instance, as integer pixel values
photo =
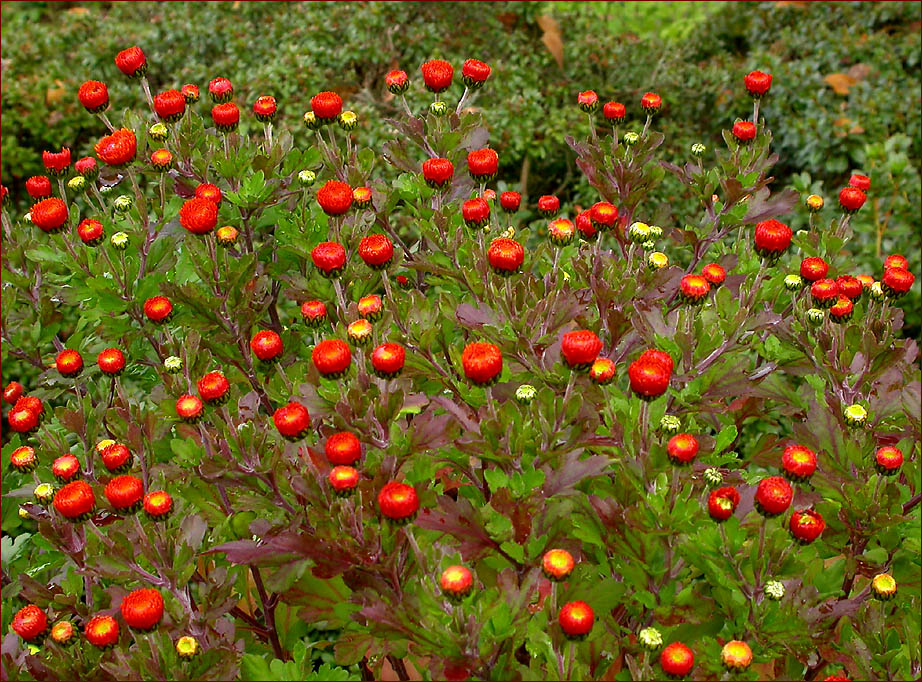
(692, 53)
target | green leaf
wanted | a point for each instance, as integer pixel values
(726, 436)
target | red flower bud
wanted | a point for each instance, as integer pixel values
(65, 468)
(482, 164)
(30, 623)
(602, 371)
(813, 268)
(588, 101)
(851, 199)
(170, 105)
(87, 167)
(772, 238)
(694, 288)
(190, 92)
(38, 187)
(896, 261)
(437, 75)
(343, 448)
(397, 82)
(806, 525)
(75, 500)
(398, 501)
(131, 62)
(101, 631)
(199, 216)
(482, 363)
(335, 197)
(326, 106)
(825, 292)
(292, 420)
(510, 201)
(862, 182)
(116, 457)
(722, 503)
(69, 363)
(650, 374)
(213, 387)
(388, 360)
(208, 191)
(798, 462)
(841, 310)
(651, 102)
(189, 408)
(117, 149)
(773, 496)
(94, 96)
(714, 274)
(896, 281)
(331, 357)
(505, 256)
(757, 83)
(49, 215)
(476, 212)
(221, 90)
(12, 392)
(225, 116)
(580, 348)
(376, 250)
(266, 345)
(576, 619)
(265, 108)
(682, 448)
(142, 609)
(437, 172)
(158, 309)
(474, 73)
(343, 479)
(677, 659)
(329, 258)
(548, 205)
(888, 460)
(614, 111)
(313, 312)
(125, 493)
(744, 131)
(111, 361)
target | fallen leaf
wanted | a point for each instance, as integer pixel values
(78, 10)
(859, 72)
(840, 82)
(552, 38)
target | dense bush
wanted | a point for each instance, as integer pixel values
(540, 439)
(871, 51)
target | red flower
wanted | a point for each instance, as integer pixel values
(313, 312)
(888, 459)
(331, 357)
(292, 420)
(111, 361)
(38, 186)
(650, 374)
(326, 105)
(825, 292)
(813, 268)
(806, 525)
(376, 250)
(30, 623)
(561, 231)
(369, 307)
(221, 90)
(199, 216)
(329, 258)
(714, 274)
(225, 116)
(22, 420)
(510, 201)
(576, 619)
(335, 197)
(398, 501)
(343, 479)
(744, 131)
(23, 459)
(773, 495)
(117, 149)
(101, 631)
(602, 371)
(682, 448)
(75, 500)
(437, 75)
(170, 105)
(56, 163)
(548, 205)
(158, 309)
(49, 215)
(94, 96)
(69, 363)
(208, 191)
(142, 609)
(31, 403)
(437, 172)
(158, 504)
(482, 164)
(12, 392)
(584, 225)
(896, 281)
(482, 363)
(580, 348)
(557, 564)
(131, 62)
(505, 256)
(265, 107)
(757, 83)
(125, 493)
(213, 387)
(189, 408)
(588, 101)
(849, 286)
(614, 111)
(722, 503)
(896, 261)
(772, 238)
(87, 167)
(476, 212)
(851, 199)
(266, 345)
(226, 235)
(475, 73)
(677, 659)
(161, 160)
(190, 92)
(456, 581)
(388, 359)
(694, 288)
(116, 457)
(603, 215)
(841, 310)
(798, 462)
(343, 448)
(66, 467)
(862, 182)
(397, 82)
(651, 102)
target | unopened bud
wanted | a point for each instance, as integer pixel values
(306, 178)
(119, 241)
(77, 184)
(525, 393)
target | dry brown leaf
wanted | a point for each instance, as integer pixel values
(855, 130)
(55, 95)
(552, 38)
(78, 10)
(840, 82)
(796, 4)
(842, 121)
